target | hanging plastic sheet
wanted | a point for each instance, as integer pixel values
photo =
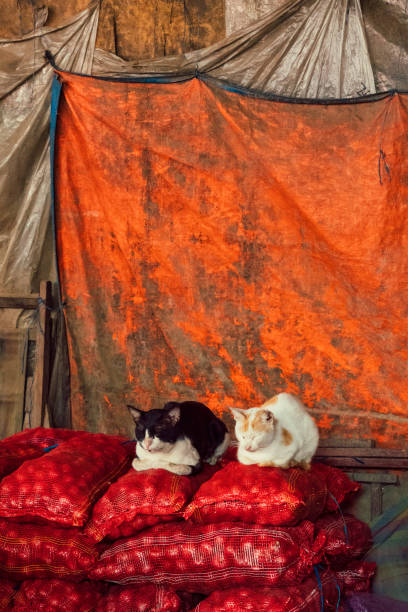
(303, 48)
(224, 247)
(384, 23)
(26, 246)
(26, 253)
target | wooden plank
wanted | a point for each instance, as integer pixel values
(13, 360)
(394, 463)
(345, 443)
(374, 477)
(362, 452)
(376, 502)
(27, 302)
(42, 362)
(28, 403)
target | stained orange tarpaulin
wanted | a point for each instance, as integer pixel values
(224, 247)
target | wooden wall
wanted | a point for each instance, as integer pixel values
(130, 28)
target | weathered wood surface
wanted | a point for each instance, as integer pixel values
(362, 452)
(26, 302)
(42, 363)
(345, 443)
(374, 477)
(393, 463)
(13, 359)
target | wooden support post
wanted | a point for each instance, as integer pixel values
(42, 361)
(376, 506)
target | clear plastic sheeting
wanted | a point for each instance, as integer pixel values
(25, 94)
(26, 244)
(386, 24)
(302, 48)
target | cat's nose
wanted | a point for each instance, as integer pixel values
(248, 447)
(147, 444)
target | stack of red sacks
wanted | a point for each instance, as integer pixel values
(76, 519)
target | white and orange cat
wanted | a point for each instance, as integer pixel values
(280, 433)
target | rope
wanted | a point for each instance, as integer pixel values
(47, 450)
(342, 516)
(319, 582)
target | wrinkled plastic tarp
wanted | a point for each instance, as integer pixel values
(26, 246)
(26, 252)
(224, 247)
(303, 49)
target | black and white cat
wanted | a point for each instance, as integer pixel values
(178, 437)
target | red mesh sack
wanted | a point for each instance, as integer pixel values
(141, 499)
(7, 591)
(339, 485)
(56, 595)
(356, 576)
(140, 522)
(346, 537)
(262, 495)
(29, 444)
(41, 437)
(203, 558)
(44, 551)
(145, 598)
(305, 596)
(61, 486)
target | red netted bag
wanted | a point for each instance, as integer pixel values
(29, 444)
(306, 596)
(262, 495)
(356, 576)
(145, 598)
(61, 486)
(142, 499)
(339, 485)
(203, 558)
(140, 522)
(44, 551)
(41, 437)
(7, 591)
(55, 595)
(346, 537)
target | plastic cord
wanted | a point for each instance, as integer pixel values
(46, 450)
(320, 587)
(342, 516)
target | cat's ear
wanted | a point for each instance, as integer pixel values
(174, 414)
(267, 417)
(237, 413)
(135, 412)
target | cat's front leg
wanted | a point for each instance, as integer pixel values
(177, 468)
(140, 465)
(246, 459)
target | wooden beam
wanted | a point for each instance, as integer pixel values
(345, 443)
(390, 463)
(27, 302)
(374, 477)
(362, 452)
(376, 500)
(42, 361)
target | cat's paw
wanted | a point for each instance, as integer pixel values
(268, 464)
(140, 466)
(179, 469)
(212, 460)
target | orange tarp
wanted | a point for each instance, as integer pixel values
(223, 247)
